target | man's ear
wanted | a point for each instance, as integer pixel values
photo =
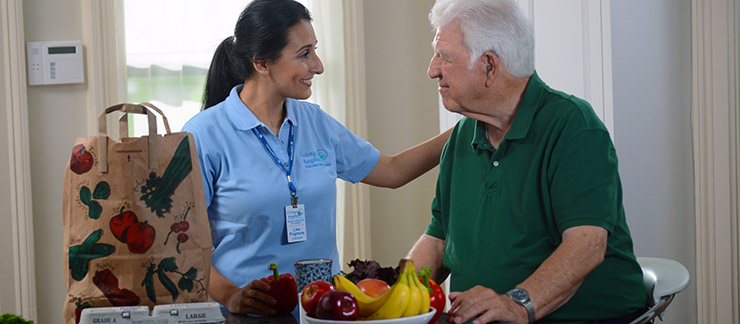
(261, 65)
(492, 64)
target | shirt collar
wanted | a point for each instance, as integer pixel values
(244, 119)
(527, 108)
(524, 115)
(480, 139)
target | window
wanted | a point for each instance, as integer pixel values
(169, 46)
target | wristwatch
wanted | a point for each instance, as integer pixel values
(521, 296)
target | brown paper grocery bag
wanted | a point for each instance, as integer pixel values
(136, 230)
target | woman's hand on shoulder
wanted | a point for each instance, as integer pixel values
(253, 298)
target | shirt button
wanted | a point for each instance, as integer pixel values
(282, 142)
(285, 163)
(495, 163)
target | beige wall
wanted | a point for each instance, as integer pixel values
(57, 115)
(402, 110)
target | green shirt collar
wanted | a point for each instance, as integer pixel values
(522, 120)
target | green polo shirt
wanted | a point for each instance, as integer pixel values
(502, 211)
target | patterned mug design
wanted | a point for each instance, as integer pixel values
(310, 270)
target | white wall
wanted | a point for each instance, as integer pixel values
(651, 56)
(402, 111)
(57, 115)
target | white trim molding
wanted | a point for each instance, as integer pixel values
(357, 243)
(598, 13)
(329, 90)
(102, 22)
(716, 140)
(15, 101)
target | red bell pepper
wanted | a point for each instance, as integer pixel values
(283, 288)
(436, 295)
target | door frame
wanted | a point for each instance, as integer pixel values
(715, 123)
(21, 214)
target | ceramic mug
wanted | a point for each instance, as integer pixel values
(310, 270)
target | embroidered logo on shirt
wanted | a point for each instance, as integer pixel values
(312, 159)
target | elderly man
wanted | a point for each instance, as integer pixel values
(528, 218)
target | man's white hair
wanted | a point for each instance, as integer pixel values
(499, 26)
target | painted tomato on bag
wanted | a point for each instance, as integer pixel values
(81, 160)
(140, 237)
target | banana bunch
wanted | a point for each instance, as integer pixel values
(407, 297)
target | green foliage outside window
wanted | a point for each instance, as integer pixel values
(169, 86)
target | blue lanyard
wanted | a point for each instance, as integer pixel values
(288, 170)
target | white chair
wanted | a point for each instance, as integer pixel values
(664, 278)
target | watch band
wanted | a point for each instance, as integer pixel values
(521, 297)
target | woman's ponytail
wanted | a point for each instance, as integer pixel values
(226, 71)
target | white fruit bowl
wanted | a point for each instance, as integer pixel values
(418, 319)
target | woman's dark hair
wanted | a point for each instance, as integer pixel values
(261, 32)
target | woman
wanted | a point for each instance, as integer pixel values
(265, 154)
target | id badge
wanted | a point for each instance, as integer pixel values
(295, 223)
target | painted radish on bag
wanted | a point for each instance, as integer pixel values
(179, 227)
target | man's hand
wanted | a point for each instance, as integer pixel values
(252, 299)
(549, 287)
(486, 305)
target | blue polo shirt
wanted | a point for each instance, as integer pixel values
(246, 192)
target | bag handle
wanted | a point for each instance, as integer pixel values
(103, 133)
(123, 121)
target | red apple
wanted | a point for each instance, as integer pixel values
(140, 237)
(120, 223)
(81, 160)
(337, 305)
(373, 287)
(312, 293)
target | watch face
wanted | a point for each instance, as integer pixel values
(519, 295)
